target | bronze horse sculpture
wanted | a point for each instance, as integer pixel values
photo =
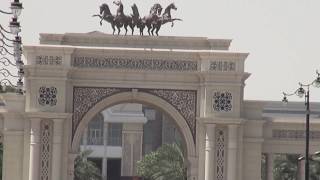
(153, 21)
(119, 20)
(165, 18)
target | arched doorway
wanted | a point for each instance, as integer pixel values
(142, 98)
(120, 136)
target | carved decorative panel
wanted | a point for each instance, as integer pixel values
(222, 66)
(220, 153)
(184, 101)
(49, 60)
(84, 98)
(294, 134)
(46, 131)
(222, 101)
(47, 96)
(134, 64)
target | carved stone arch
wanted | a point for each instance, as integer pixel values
(114, 96)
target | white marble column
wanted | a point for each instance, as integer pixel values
(104, 168)
(34, 165)
(71, 158)
(210, 152)
(85, 138)
(131, 148)
(12, 161)
(57, 149)
(269, 166)
(232, 151)
(105, 157)
(301, 170)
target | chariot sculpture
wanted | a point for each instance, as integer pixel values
(153, 21)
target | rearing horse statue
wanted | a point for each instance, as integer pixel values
(105, 14)
(155, 13)
(119, 20)
(165, 18)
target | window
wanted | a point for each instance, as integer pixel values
(95, 131)
(115, 134)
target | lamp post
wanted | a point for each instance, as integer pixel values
(14, 50)
(301, 92)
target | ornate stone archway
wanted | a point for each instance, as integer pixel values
(75, 76)
(179, 104)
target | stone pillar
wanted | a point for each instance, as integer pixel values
(12, 155)
(252, 158)
(105, 158)
(210, 152)
(104, 168)
(34, 165)
(57, 149)
(301, 170)
(71, 158)
(131, 148)
(232, 152)
(85, 138)
(269, 166)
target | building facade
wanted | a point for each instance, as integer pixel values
(197, 82)
(105, 132)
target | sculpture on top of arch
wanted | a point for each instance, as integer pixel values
(153, 21)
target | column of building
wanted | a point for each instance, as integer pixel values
(269, 166)
(209, 151)
(57, 149)
(232, 151)
(34, 166)
(131, 148)
(105, 151)
(13, 149)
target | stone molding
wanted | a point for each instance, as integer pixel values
(160, 42)
(153, 64)
(184, 101)
(294, 134)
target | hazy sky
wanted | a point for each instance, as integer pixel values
(282, 37)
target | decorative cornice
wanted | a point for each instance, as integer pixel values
(162, 42)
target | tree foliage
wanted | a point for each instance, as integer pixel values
(166, 163)
(286, 167)
(85, 169)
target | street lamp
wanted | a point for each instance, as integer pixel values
(16, 52)
(301, 92)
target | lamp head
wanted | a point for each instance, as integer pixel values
(14, 26)
(316, 82)
(285, 100)
(16, 8)
(301, 92)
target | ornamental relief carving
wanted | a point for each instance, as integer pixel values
(222, 101)
(222, 66)
(49, 60)
(220, 153)
(184, 101)
(47, 96)
(151, 64)
(294, 134)
(46, 130)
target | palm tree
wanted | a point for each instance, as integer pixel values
(286, 167)
(166, 163)
(85, 169)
